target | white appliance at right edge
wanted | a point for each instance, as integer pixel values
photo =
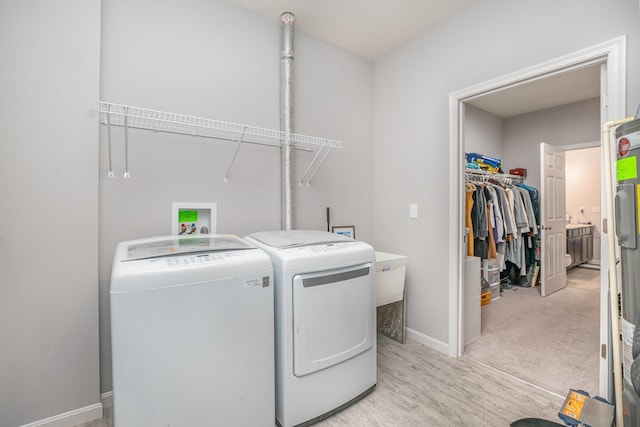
(325, 322)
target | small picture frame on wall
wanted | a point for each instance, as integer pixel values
(345, 230)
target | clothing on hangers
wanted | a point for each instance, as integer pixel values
(469, 189)
(481, 231)
(506, 228)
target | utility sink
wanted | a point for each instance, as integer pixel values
(390, 272)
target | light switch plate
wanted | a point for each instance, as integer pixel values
(413, 211)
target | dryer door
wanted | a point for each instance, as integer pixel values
(332, 317)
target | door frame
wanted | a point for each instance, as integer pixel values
(612, 54)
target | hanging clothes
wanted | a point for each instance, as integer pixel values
(530, 247)
(481, 230)
(491, 251)
(498, 215)
(507, 211)
(534, 195)
(503, 221)
(470, 189)
(522, 221)
(513, 246)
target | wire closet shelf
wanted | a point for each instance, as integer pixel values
(476, 175)
(161, 121)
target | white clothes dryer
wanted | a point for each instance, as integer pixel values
(325, 322)
(192, 333)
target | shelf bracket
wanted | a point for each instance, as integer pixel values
(110, 172)
(315, 164)
(126, 143)
(235, 154)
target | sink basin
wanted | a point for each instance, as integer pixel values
(390, 271)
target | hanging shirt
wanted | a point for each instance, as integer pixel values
(535, 202)
(507, 211)
(481, 203)
(534, 194)
(499, 233)
(481, 233)
(514, 247)
(469, 189)
(531, 218)
(520, 213)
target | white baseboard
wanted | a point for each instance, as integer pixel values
(107, 399)
(71, 418)
(430, 342)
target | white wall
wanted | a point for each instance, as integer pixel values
(211, 59)
(483, 132)
(582, 169)
(49, 81)
(571, 124)
(411, 125)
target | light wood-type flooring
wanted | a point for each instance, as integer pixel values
(418, 386)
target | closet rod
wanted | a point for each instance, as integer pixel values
(485, 176)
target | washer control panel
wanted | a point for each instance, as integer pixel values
(327, 247)
(193, 259)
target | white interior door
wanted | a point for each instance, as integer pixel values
(553, 231)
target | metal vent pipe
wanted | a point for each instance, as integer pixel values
(287, 21)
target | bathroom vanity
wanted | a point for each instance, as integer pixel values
(579, 243)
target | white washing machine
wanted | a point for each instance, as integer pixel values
(325, 322)
(192, 333)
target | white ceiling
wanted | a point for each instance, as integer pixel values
(373, 28)
(553, 91)
(369, 28)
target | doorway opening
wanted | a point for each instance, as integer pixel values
(553, 341)
(611, 56)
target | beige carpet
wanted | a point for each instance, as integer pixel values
(552, 342)
(583, 278)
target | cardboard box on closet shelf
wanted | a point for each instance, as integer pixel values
(518, 171)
